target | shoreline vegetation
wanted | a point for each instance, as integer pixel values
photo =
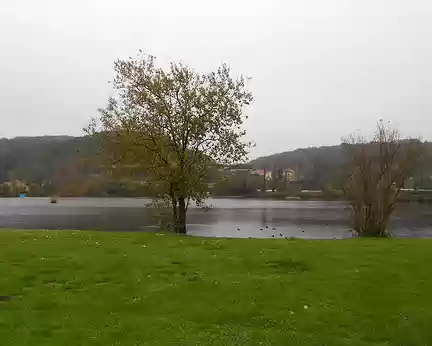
(87, 288)
(408, 196)
(414, 196)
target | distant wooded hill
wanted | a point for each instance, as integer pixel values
(42, 159)
(321, 166)
(38, 159)
(318, 165)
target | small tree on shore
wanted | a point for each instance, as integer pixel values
(173, 124)
(378, 170)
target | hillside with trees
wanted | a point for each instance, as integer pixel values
(47, 163)
(318, 167)
(37, 159)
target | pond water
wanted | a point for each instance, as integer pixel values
(227, 217)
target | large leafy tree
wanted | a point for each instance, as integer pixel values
(173, 125)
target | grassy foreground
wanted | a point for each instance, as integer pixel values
(96, 288)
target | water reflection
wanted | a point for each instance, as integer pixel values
(226, 218)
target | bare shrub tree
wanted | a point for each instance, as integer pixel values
(378, 170)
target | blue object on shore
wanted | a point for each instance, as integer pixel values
(22, 195)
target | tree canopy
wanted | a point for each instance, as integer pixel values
(175, 124)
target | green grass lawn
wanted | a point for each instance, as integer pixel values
(97, 288)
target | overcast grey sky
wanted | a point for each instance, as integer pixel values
(320, 68)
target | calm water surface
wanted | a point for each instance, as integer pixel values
(226, 218)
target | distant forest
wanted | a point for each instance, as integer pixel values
(46, 163)
(66, 166)
(323, 166)
(38, 159)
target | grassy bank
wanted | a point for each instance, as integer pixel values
(89, 288)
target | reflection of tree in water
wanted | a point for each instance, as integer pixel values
(162, 217)
(264, 217)
(159, 216)
(204, 215)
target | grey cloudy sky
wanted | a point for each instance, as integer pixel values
(320, 68)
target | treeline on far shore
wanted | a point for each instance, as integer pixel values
(416, 196)
(295, 191)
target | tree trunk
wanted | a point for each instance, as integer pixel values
(181, 224)
(174, 212)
